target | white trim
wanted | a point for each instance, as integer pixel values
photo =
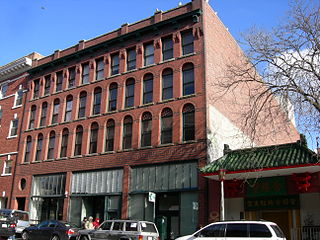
(10, 153)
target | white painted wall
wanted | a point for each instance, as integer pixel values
(233, 207)
(222, 131)
(310, 208)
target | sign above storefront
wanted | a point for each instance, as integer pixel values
(275, 186)
(274, 202)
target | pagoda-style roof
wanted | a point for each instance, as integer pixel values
(267, 161)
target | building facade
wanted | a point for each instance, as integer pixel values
(13, 85)
(111, 119)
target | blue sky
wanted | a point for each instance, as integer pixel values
(44, 26)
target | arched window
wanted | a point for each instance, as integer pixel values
(43, 116)
(32, 116)
(146, 129)
(166, 126)
(147, 88)
(96, 108)
(110, 135)
(64, 143)
(67, 114)
(51, 145)
(39, 147)
(188, 125)
(188, 79)
(167, 84)
(113, 93)
(82, 104)
(27, 149)
(94, 138)
(129, 97)
(55, 112)
(78, 141)
(127, 133)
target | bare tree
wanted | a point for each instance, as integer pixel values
(283, 62)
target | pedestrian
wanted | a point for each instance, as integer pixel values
(83, 223)
(96, 223)
(89, 223)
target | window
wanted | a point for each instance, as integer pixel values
(78, 141)
(82, 105)
(187, 42)
(113, 92)
(216, 230)
(188, 79)
(167, 84)
(166, 126)
(59, 80)
(148, 54)
(129, 101)
(14, 127)
(67, 115)
(51, 145)
(4, 89)
(64, 143)
(94, 138)
(72, 77)
(146, 127)
(147, 88)
(167, 48)
(43, 116)
(32, 116)
(127, 133)
(18, 101)
(259, 231)
(36, 85)
(115, 64)
(8, 166)
(237, 230)
(85, 73)
(55, 112)
(110, 135)
(47, 84)
(39, 147)
(188, 118)
(96, 101)
(27, 150)
(131, 59)
(99, 69)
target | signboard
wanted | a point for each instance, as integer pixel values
(275, 186)
(275, 202)
(152, 197)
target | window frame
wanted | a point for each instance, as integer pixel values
(187, 42)
(167, 89)
(115, 64)
(110, 131)
(43, 116)
(94, 134)
(39, 146)
(72, 77)
(14, 125)
(47, 85)
(27, 151)
(99, 73)
(146, 130)
(51, 145)
(188, 128)
(167, 50)
(55, 111)
(96, 104)
(188, 81)
(148, 57)
(64, 143)
(82, 104)
(36, 88)
(68, 109)
(78, 141)
(32, 117)
(59, 81)
(131, 59)
(127, 133)
(147, 88)
(113, 94)
(129, 93)
(166, 128)
(85, 71)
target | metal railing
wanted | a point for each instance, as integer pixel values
(305, 233)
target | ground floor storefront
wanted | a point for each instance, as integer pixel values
(122, 193)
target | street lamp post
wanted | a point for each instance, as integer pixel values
(222, 175)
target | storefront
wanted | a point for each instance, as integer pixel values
(277, 183)
(175, 208)
(96, 194)
(47, 197)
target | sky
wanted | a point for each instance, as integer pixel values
(44, 26)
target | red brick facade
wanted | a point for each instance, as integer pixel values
(211, 44)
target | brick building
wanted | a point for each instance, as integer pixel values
(13, 79)
(130, 112)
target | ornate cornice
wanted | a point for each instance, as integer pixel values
(16, 67)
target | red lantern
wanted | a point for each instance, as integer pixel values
(302, 181)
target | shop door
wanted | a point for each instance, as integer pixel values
(52, 209)
(168, 207)
(281, 218)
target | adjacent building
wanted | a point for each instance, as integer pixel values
(133, 111)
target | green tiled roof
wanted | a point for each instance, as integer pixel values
(276, 156)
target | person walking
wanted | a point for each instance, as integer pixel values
(89, 223)
(96, 223)
(83, 223)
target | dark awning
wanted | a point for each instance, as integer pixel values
(268, 161)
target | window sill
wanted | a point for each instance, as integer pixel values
(187, 96)
(108, 152)
(167, 60)
(165, 145)
(11, 137)
(111, 112)
(146, 104)
(49, 160)
(35, 162)
(53, 124)
(62, 158)
(79, 119)
(150, 65)
(126, 109)
(96, 115)
(114, 75)
(15, 107)
(166, 100)
(187, 55)
(92, 154)
(146, 147)
(6, 174)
